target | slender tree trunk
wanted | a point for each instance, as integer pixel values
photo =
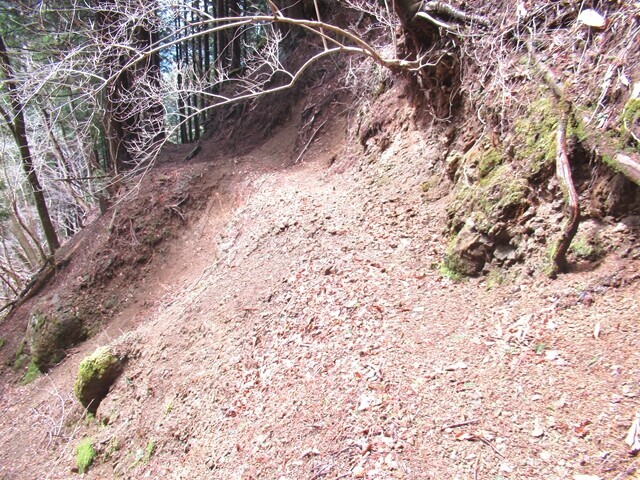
(222, 35)
(196, 61)
(64, 166)
(33, 259)
(206, 40)
(236, 39)
(19, 131)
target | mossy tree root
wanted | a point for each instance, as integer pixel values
(626, 165)
(563, 173)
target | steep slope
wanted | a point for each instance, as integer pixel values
(312, 335)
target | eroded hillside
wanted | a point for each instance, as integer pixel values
(305, 330)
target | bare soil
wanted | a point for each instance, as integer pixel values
(298, 327)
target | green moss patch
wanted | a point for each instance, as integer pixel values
(536, 138)
(96, 374)
(85, 455)
(32, 373)
(148, 451)
(501, 196)
(586, 247)
(631, 113)
(489, 160)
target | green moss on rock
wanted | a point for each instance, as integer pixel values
(498, 198)
(489, 160)
(96, 374)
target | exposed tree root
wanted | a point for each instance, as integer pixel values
(436, 13)
(563, 173)
(442, 8)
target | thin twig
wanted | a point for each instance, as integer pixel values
(460, 424)
(313, 135)
(477, 466)
(487, 442)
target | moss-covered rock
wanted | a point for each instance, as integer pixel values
(536, 139)
(631, 112)
(468, 252)
(96, 374)
(31, 374)
(499, 197)
(49, 335)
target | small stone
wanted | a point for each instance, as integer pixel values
(537, 431)
(504, 253)
(505, 467)
(551, 355)
(540, 232)
(358, 471)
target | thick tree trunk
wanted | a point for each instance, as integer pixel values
(19, 131)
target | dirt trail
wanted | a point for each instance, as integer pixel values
(312, 336)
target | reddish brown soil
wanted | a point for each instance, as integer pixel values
(300, 329)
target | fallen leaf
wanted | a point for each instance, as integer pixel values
(368, 401)
(505, 467)
(391, 463)
(596, 331)
(633, 437)
(456, 366)
(581, 429)
(310, 452)
(551, 355)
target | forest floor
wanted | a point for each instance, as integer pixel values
(299, 327)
